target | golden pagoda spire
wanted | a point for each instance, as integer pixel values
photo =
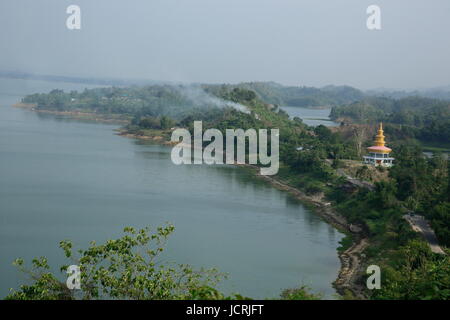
(379, 138)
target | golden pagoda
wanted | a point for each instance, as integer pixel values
(379, 153)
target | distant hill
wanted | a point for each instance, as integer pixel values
(270, 92)
(442, 93)
(423, 118)
(274, 93)
(73, 79)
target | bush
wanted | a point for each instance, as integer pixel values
(314, 187)
(150, 123)
(125, 268)
(301, 293)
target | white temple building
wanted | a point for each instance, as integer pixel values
(379, 153)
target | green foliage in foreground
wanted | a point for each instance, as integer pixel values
(416, 274)
(125, 268)
(301, 293)
(129, 268)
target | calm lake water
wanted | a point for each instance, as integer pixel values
(62, 179)
(312, 116)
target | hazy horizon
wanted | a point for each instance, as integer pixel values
(291, 42)
(144, 82)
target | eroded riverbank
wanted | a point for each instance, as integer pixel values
(351, 259)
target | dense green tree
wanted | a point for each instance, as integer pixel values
(125, 268)
(129, 268)
(418, 275)
(411, 117)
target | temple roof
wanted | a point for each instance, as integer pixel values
(380, 149)
(379, 142)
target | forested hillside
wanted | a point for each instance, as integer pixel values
(170, 99)
(442, 93)
(425, 119)
(275, 93)
(149, 100)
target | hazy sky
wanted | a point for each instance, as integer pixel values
(294, 42)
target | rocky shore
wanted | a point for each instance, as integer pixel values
(351, 260)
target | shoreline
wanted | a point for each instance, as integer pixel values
(157, 139)
(350, 259)
(75, 115)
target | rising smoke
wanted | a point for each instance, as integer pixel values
(198, 96)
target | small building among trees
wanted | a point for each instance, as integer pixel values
(379, 154)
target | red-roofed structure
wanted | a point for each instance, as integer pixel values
(379, 153)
